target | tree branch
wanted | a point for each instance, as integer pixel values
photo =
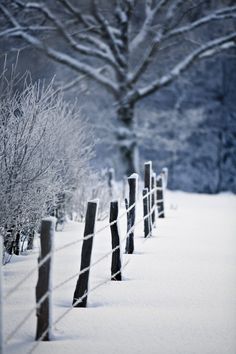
(68, 37)
(110, 35)
(207, 49)
(145, 61)
(225, 13)
(75, 11)
(58, 56)
(173, 9)
(150, 13)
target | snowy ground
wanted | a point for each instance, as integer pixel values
(178, 295)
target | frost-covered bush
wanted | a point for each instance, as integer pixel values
(93, 186)
(44, 151)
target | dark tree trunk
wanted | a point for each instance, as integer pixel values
(126, 135)
(127, 140)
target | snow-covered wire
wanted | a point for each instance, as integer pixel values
(29, 274)
(44, 260)
(77, 274)
(47, 257)
(87, 237)
(65, 313)
(125, 212)
(72, 243)
(26, 317)
(94, 263)
(64, 282)
(88, 292)
(31, 311)
(159, 188)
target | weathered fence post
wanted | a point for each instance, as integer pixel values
(115, 241)
(146, 213)
(128, 218)
(44, 284)
(133, 187)
(17, 243)
(30, 242)
(147, 184)
(160, 197)
(153, 194)
(147, 174)
(111, 180)
(82, 282)
(124, 182)
(164, 172)
(1, 298)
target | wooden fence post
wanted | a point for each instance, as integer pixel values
(82, 282)
(153, 204)
(115, 241)
(124, 182)
(160, 197)
(17, 243)
(128, 218)
(44, 284)
(146, 213)
(164, 172)
(1, 298)
(111, 180)
(133, 187)
(147, 184)
(147, 174)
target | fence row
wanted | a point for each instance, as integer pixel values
(152, 198)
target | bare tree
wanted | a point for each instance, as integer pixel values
(44, 151)
(117, 43)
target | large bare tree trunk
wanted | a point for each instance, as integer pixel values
(126, 134)
(127, 139)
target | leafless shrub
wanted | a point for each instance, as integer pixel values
(44, 151)
(94, 186)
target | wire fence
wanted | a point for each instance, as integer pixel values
(157, 192)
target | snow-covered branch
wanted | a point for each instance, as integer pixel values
(90, 51)
(173, 8)
(149, 54)
(10, 31)
(59, 56)
(145, 60)
(76, 12)
(225, 13)
(150, 13)
(208, 49)
(107, 28)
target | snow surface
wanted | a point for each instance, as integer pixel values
(178, 295)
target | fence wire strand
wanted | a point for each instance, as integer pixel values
(47, 257)
(27, 316)
(44, 260)
(65, 313)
